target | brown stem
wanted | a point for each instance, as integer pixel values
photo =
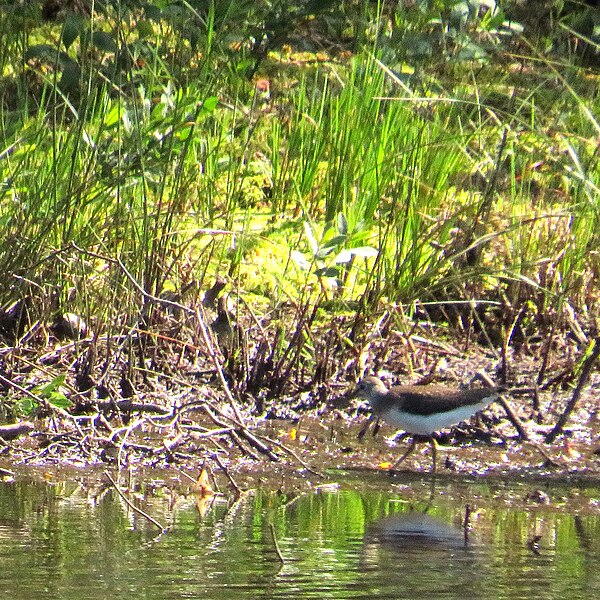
(133, 506)
(593, 353)
(10, 432)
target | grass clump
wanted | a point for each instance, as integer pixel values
(150, 150)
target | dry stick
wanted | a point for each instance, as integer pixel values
(276, 544)
(203, 432)
(126, 430)
(296, 457)
(248, 436)
(133, 506)
(523, 432)
(205, 335)
(242, 430)
(225, 470)
(245, 451)
(256, 443)
(593, 353)
(512, 417)
(467, 523)
(213, 355)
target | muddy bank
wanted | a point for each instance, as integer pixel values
(224, 404)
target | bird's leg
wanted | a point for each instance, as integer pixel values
(361, 433)
(413, 445)
(377, 427)
(433, 453)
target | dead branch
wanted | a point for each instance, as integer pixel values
(295, 456)
(127, 405)
(225, 470)
(512, 417)
(592, 354)
(132, 505)
(14, 430)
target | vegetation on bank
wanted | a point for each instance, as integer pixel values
(322, 175)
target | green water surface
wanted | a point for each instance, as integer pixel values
(63, 541)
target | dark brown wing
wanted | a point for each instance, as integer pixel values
(429, 399)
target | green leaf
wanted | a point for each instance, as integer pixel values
(52, 393)
(338, 240)
(44, 52)
(72, 29)
(59, 400)
(113, 116)
(71, 74)
(104, 41)
(323, 252)
(471, 51)
(26, 405)
(51, 386)
(328, 272)
(51, 55)
(209, 104)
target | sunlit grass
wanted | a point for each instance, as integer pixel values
(345, 181)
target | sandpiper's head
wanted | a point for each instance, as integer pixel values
(369, 388)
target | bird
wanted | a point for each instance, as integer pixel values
(421, 410)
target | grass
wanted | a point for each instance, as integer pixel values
(352, 186)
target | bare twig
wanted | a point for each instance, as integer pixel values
(512, 417)
(14, 430)
(225, 470)
(256, 443)
(294, 455)
(133, 506)
(242, 430)
(233, 434)
(592, 354)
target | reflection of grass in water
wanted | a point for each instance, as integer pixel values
(324, 537)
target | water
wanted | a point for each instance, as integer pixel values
(369, 539)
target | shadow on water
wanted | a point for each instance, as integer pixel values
(373, 536)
